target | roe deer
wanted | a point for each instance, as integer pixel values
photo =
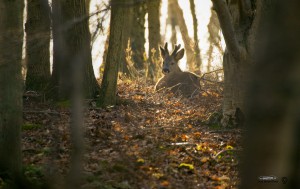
(186, 83)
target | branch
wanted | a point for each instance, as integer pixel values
(227, 28)
(218, 70)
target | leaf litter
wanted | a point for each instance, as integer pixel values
(148, 140)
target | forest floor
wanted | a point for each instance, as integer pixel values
(149, 140)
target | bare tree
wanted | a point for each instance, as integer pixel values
(124, 64)
(88, 2)
(71, 39)
(116, 39)
(11, 104)
(238, 20)
(153, 7)
(172, 21)
(101, 68)
(137, 36)
(37, 29)
(197, 53)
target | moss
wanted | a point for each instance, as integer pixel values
(119, 168)
(34, 175)
(30, 126)
(63, 104)
(215, 126)
(214, 120)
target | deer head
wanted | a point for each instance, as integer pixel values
(170, 62)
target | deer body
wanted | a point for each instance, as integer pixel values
(185, 83)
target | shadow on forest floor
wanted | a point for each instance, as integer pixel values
(149, 140)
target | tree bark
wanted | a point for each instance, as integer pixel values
(272, 140)
(137, 36)
(154, 36)
(72, 39)
(11, 104)
(37, 29)
(59, 48)
(197, 53)
(172, 21)
(124, 64)
(88, 2)
(116, 38)
(104, 56)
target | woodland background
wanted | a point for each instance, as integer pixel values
(60, 127)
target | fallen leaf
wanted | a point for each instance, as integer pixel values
(190, 166)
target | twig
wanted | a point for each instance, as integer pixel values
(226, 150)
(221, 69)
(181, 144)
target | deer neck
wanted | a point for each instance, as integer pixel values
(177, 70)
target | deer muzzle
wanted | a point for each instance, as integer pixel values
(165, 70)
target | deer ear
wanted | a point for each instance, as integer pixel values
(179, 55)
(162, 52)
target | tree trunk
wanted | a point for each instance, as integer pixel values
(235, 20)
(272, 140)
(37, 29)
(214, 38)
(11, 105)
(104, 56)
(185, 35)
(137, 36)
(72, 39)
(172, 21)
(88, 2)
(124, 64)
(235, 81)
(154, 36)
(197, 53)
(116, 38)
(58, 49)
